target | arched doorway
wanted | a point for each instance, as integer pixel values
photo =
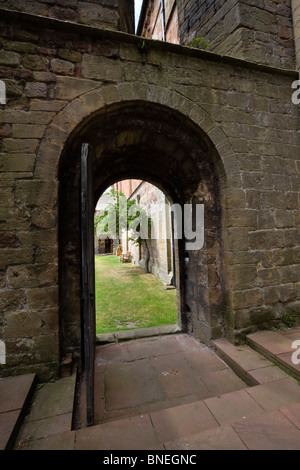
(135, 287)
(147, 141)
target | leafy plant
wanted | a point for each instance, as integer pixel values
(50, 380)
(277, 328)
(118, 216)
(288, 320)
(143, 46)
(124, 218)
(199, 43)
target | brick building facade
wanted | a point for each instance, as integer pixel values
(159, 20)
(127, 187)
(214, 127)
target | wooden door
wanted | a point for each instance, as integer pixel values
(88, 277)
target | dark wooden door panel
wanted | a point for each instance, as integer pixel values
(88, 276)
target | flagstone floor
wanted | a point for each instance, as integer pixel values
(172, 393)
(151, 374)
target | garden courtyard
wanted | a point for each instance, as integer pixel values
(128, 298)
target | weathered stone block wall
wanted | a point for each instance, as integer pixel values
(260, 31)
(112, 14)
(156, 206)
(206, 125)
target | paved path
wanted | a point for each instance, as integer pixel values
(172, 393)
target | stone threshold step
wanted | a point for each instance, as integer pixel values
(279, 347)
(51, 411)
(128, 335)
(15, 395)
(273, 430)
(265, 416)
(251, 366)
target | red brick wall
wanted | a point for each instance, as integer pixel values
(153, 25)
(172, 33)
(127, 186)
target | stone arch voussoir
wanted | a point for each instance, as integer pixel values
(91, 102)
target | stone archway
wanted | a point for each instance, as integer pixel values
(138, 139)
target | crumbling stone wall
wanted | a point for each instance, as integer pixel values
(205, 128)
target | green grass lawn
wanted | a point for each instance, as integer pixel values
(127, 297)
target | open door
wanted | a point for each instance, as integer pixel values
(88, 276)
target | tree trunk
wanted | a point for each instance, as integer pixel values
(147, 255)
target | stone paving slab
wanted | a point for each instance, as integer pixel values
(8, 422)
(53, 399)
(275, 395)
(266, 374)
(156, 373)
(222, 438)
(269, 431)
(232, 407)
(137, 381)
(15, 392)
(153, 347)
(265, 416)
(50, 414)
(180, 421)
(177, 377)
(252, 366)
(209, 361)
(277, 346)
(243, 355)
(292, 412)
(135, 433)
(59, 441)
(110, 354)
(286, 360)
(275, 342)
(170, 403)
(222, 381)
(44, 428)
